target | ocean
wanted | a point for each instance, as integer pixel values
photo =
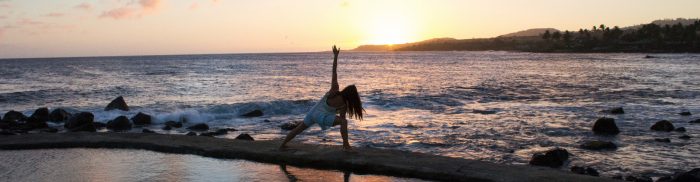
(492, 106)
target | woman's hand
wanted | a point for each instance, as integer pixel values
(336, 51)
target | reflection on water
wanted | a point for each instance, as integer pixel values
(141, 165)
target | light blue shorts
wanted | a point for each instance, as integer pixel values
(324, 120)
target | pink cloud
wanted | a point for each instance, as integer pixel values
(2, 17)
(194, 6)
(28, 22)
(119, 13)
(54, 15)
(83, 6)
(149, 4)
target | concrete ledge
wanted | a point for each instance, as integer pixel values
(366, 160)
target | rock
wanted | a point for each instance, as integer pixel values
(638, 179)
(578, 170)
(13, 116)
(664, 179)
(605, 126)
(117, 103)
(5, 132)
(695, 121)
(81, 122)
(166, 128)
(49, 130)
(147, 131)
(290, 125)
(617, 110)
(59, 115)
(692, 175)
(173, 124)
(483, 111)
(685, 137)
(665, 140)
(35, 123)
(191, 134)
(592, 172)
(141, 119)
(120, 123)
(254, 113)
(199, 127)
(244, 137)
(215, 133)
(41, 114)
(662, 125)
(685, 113)
(599, 145)
(553, 158)
(680, 129)
(267, 120)
(99, 125)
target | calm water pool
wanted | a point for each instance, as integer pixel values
(142, 165)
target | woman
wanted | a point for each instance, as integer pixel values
(346, 101)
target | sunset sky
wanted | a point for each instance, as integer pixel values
(53, 28)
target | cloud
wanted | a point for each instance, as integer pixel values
(83, 6)
(119, 13)
(132, 10)
(149, 4)
(2, 17)
(55, 15)
(29, 22)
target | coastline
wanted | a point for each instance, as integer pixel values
(366, 160)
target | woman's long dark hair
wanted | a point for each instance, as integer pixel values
(353, 102)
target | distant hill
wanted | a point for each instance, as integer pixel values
(530, 32)
(651, 37)
(665, 22)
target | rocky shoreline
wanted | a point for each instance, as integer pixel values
(365, 160)
(76, 124)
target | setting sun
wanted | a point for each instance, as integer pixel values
(392, 29)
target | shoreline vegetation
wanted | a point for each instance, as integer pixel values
(661, 36)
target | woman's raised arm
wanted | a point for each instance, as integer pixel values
(334, 83)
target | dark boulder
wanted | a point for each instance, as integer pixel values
(254, 113)
(685, 113)
(553, 158)
(49, 130)
(680, 129)
(605, 126)
(191, 134)
(692, 175)
(199, 127)
(41, 114)
(662, 125)
(665, 140)
(617, 110)
(638, 179)
(173, 124)
(6, 132)
(244, 137)
(120, 123)
(578, 170)
(684, 137)
(166, 128)
(35, 123)
(290, 125)
(59, 115)
(695, 121)
(598, 145)
(13, 116)
(592, 172)
(147, 131)
(117, 103)
(83, 121)
(141, 119)
(99, 125)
